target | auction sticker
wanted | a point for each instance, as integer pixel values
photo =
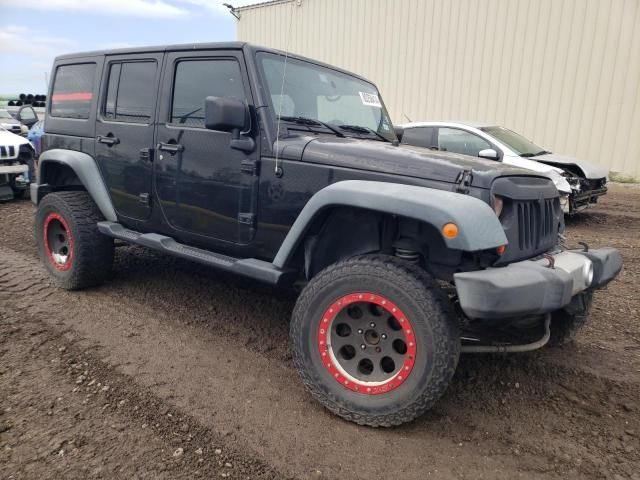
(370, 99)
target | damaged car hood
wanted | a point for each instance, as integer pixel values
(589, 170)
(9, 138)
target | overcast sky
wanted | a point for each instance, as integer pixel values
(33, 32)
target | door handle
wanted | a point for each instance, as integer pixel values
(108, 140)
(171, 148)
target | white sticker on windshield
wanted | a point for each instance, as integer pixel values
(370, 99)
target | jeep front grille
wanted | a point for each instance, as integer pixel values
(536, 224)
(531, 216)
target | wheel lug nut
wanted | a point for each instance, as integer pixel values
(360, 331)
(378, 349)
(363, 346)
(384, 336)
(372, 325)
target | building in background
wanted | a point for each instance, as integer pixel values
(565, 73)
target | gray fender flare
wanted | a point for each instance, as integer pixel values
(478, 226)
(86, 169)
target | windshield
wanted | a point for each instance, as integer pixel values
(5, 114)
(517, 143)
(325, 95)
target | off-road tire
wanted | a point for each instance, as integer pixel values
(19, 193)
(566, 323)
(92, 252)
(431, 316)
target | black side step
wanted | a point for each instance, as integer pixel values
(249, 267)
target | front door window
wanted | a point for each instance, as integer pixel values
(460, 141)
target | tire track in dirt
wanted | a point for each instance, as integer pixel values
(66, 414)
(485, 425)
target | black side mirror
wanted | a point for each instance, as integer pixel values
(27, 116)
(225, 114)
(229, 115)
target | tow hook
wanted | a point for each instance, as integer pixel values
(585, 247)
(551, 260)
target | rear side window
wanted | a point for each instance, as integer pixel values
(73, 91)
(196, 80)
(130, 92)
(420, 137)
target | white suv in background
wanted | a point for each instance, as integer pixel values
(579, 183)
(11, 124)
(16, 165)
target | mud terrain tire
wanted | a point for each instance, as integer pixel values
(566, 323)
(19, 193)
(72, 249)
(423, 307)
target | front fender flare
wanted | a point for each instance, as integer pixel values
(478, 226)
(86, 169)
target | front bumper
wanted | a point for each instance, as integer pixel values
(13, 169)
(585, 198)
(534, 286)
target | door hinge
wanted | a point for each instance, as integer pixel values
(463, 181)
(144, 198)
(247, 218)
(146, 154)
(249, 166)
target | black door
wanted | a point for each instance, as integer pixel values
(125, 131)
(204, 187)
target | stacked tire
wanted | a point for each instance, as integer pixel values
(37, 100)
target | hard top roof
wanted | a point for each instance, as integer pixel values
(200, 46)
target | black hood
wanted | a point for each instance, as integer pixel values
(402, 160)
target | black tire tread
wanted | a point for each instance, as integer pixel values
(19, 193)
(425, 291)
(565, 325)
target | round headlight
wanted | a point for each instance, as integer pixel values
(24, 129)
(587, 271)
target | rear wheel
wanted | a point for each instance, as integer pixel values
(374, 340)
(19, 193)
(72, 249)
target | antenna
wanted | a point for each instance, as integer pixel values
(278, 170)
(405, 116)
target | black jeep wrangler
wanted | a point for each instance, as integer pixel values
(289, 171)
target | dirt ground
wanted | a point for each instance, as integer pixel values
(172, 370)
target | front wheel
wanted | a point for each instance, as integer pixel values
(72, 249)
(566, 323)
(374, 340)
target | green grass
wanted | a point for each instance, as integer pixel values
(622, 178)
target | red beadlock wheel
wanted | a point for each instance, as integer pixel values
(58, 241)
(367, 343)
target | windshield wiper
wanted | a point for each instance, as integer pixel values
(311, 122)
(529, 155)
(361, 129)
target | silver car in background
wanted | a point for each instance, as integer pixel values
(579, 183)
